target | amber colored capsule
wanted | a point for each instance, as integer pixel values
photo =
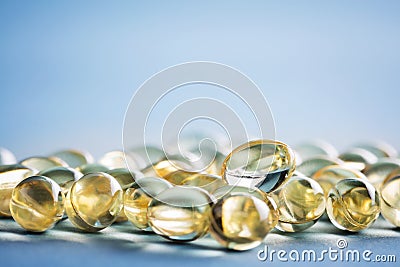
(37, 203)
(63, 176)
(353, 204)
(390, 196)
(311, 166)
(328, 176)
(180, 213)
(94, 202)
(138, 197)
(205, 181)
(92, 167)
(10, 176)
(265, 164)
(300, 202)
(358, 158)
(377, 172)
(166, 167)
(74, 158)
(43, 163)
(240, 221)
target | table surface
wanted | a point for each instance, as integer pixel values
(123, 245)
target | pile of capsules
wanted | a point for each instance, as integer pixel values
(239, 198)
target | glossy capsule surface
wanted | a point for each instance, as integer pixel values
(74, 158)
(377, 172)
(390, 196)
(301, 202)
(180, 213)
(94, 202)
(92, 167)
(7, 157)
(42, 163)
(265, 164)
(138, 197)
(311, 166)
(358, 158)
(63, 176)
(10, 176)
(240, 221)
(37, 203)
(353, 204)
(118, 159)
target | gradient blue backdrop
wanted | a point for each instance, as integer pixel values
(329, 69)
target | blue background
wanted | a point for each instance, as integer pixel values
(329, 69)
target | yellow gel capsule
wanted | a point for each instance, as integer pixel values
(94, 202)
(42, 163)
(353, 204)
(180, 213)
(328, 176)
(377, 172)
(379, 149)
(227, 189)
(138, 197)
(118, 159)
(300, 202)
(63, 176)
(311, 166)
(7, 157)
(240, 221)
(166, 167)
(315, 149)
(74, 158)
(37, 203)
(205, 181)
(146, 155)
(390, 196)
(265, 164)
(10, 176)
(358, 158)
(92, 167)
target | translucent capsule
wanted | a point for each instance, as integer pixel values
(94, 202)
(42, 163)
(377, 172)
(10, 176)
(147, 155)
(166, 167)
(328, 176)
(6, 157)
(264, 164)
(74, 158)
(358, 158)
(37, 203)
(353, 204)
(216, 165)
(390, 196)
(311, 166)
(205, 181)
(228, 189)
(241, 221)
(138, 197)
(379, 149)
(316, 148)
(118, 159)
(300, 202)
(92, 167)
(180, 213)
(63, 176)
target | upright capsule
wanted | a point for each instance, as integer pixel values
(37, 203)
(353, 204)
(10, 176)
(180, 213)
(94, 202)
(264, 164)
(390, 196)
(74, 158)
(300, 202)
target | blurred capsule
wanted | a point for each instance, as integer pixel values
(146, 155)
(118, 159)
(63, 176)
(7, 157)
(92, 167)
(43, 163)
(358, 158)
(316, 148)
(379, 149)
(74, 158)
(378, 171)
(390, 196)
(310, 166)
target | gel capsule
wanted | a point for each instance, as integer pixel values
(264, 164)
(300, 202)
(167, 167)
(390, 196)
(138, 197)
(377, 172)
(328, 176)
(353, 204)
(42, 163)
(94, 202)
(63, 176)
(315, 149)
(6, 157)
(37, 203)
(358, 158)
(118, 159)
(74, 158)
(379, 149)
(311, 166)
(228, 189)
(10, 176)
(92, 167)
(180, 213)
(205, 181)
(240, 221)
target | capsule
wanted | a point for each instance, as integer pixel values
(118, 159)
(377, 172)
(311, 166)
(228, 189)
(37, 203)
(7, 157)
(205, 181)
(316, 148)
(358, 158)
(165, 168)
(240, 221)
(138, 197)
(92, 167)
(353, 204)
(42, 163)
(74, 158)
(94, 202)
(264, 164)
(300, 202)
(379, 149)
(180, 213)
(390, 196)
(10, 176)
(63, 176)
